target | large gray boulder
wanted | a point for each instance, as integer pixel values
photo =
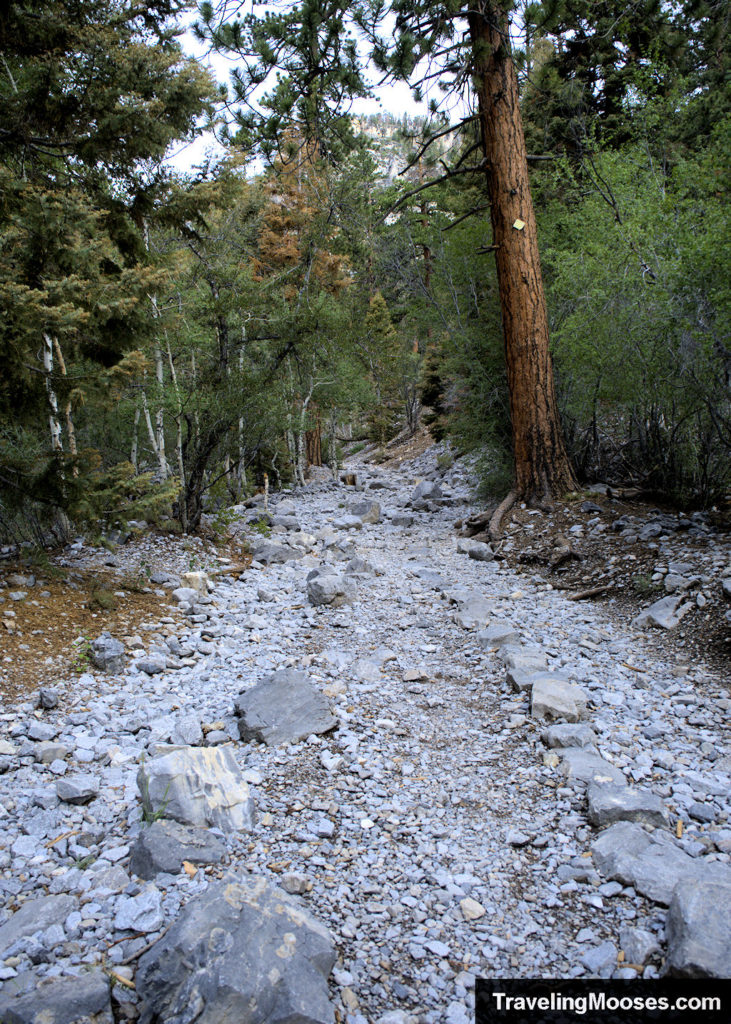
(330, 589)
(426, 490)
(80, 1000)
(197, 786)
(164, 845)
(286, 707)
(107, 653)
(579, 764)
(243, 952)
(698, 930)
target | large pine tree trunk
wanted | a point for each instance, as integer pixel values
(542, 467)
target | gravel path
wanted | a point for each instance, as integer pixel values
(433, 832)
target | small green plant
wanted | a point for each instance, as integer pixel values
(82, 654)
(262, 526)
(148, 814)
(445, 461)
(103, 600)
(84, 862)
(643, 584)
(358, 447)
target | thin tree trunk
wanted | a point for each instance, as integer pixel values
(133, 452)
(542, 467)
(53, 420)
(70, 429)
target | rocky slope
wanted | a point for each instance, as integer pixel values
(381, 751)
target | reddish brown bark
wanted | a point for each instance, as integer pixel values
(542, 467)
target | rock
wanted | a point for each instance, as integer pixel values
(654, 865)
(142, 913)
(474, 611)
(152, 665)
(405, 520)
(471, 909)
(638, 945)
(107, 653)
(197, 581)
(601, 959)
(497, 633)
(274, 554)
(565, 735)
(348, 523)
(583, 765)
(698, 930)
(557, 698)
(286, 707)
(610, 803)
(164, 845)
(241, 951)
(85, 999)
(47, 699)
(480, 552)
(366, 511)
(427, 490)
(330, 589)
(35, 915)
(665, 613)
(77, 789)
(197, 786)
(184, 595)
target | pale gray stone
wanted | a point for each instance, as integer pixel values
(142, 913)
(77, 789)
(269, 553)
(152, 665)
(582, 765)
(609, 803)
(369, 512)
(665, 613)
(638, 944)
(197, 786)
(497, 633)
(330, 589)
(556, 698)
(427, 490)
(283, 708)
(568, 735)
(241, 951)
(35, 915)
(699, 929)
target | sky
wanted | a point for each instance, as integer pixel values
(395, 98)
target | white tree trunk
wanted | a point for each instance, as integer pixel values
(133, 451)
(53, 420)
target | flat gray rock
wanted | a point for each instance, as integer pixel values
(582, 765)
(85, 999)
(664, 614)
(164, 845)
(569, 735)
(274, 554)
(609, 803)
(286, 707)
(638, 944)
(427, 490)
(33, 916)
(497, 633)
(556, 698)
(330, 589)
(653, 864)
(77, 789)
(197, 786)
(698, 930)
(242, 951)
(141, 913)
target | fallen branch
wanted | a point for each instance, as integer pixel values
(138, 954)
(591, 592)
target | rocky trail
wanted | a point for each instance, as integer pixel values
(344, 782)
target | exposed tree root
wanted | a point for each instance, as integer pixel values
(494, 529)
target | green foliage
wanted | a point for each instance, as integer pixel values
(82, 655)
